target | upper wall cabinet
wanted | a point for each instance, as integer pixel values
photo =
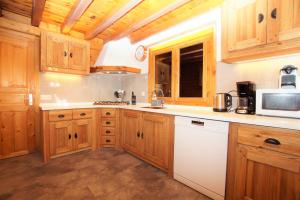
(64, 54)
(260, 28)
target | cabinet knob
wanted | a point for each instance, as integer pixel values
(274, 13)
(107, 113)
(71, 55)
(107, 131)
(138, 134)
(61, 116)
(107, 141)
(70, 136)
(107, 122)
(272, 141)
(82, 114)
(260, 18)
(76, 135)
(65, 53)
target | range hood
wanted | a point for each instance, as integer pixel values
(115, 70)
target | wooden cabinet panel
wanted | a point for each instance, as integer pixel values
(266, 175)
(256, 173)
(13, 133)
(246, 23)
(82, 130)
(79, 56)
(56, 51)
(130, 129)
(60, 115)
(284, 20)
(60, 137)
(155, 133)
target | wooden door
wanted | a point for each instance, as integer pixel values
(82, 133)
(156, 138)
(79, 56)
(61, 137)
(266, 175)
(56, 51)
(18, 75)
(283, 20)
(246, 23)
(131, 131)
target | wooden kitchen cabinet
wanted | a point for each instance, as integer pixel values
(150, 137)
(60, 53)
(67, 131)
(61, 137)
(109, 134)
(263, 163)
(254, 29)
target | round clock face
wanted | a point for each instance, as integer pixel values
(140, 53)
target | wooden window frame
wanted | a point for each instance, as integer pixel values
(209, 68)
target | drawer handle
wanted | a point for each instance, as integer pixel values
(61, 116)
(107, 132)
(272, 141)
(107, 113)
(76, 135)
(260, 18)
(274, 13)
(138, 134)
(142, 135)
(198, 123)
(82, 114)
(107, 122)
(107, 141)
(70, 136)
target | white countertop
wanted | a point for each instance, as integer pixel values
(190, 111)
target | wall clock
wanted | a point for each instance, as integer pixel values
(140, 53)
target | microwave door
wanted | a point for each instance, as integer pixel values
(281, 101)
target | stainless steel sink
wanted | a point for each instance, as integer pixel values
(154, 107)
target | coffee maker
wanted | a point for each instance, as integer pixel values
(246, 97)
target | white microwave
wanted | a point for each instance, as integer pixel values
(278, 102)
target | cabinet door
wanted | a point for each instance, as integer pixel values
(155, 135)
(13, 133)
(246, 23)
(283, 20)
(56, 51)
(263, 175)
(61, 137)
(131, 133)
(79, 56)
(82, 130)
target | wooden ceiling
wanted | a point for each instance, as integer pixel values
(110, 19)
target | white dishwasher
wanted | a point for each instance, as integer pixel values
(200, 155)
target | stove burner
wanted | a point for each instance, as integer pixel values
(111, 103)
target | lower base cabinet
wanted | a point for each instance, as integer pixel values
(149, 136)
(67, 131)
(263, 163)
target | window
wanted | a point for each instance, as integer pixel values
(183, 71)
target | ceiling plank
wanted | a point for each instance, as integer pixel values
(77, 11)
(186, 12)
(37, 11)
(151, 18)
(115, 17)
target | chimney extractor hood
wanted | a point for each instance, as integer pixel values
(115, 70)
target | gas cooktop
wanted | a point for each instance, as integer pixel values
(111, 103)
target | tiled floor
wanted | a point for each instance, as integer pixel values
(102, 174)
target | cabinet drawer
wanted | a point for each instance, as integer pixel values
(110, 122)
(108, 112)
(82, 114)
(281, 140)
(108, 131)
(60, 115)
(108, 140)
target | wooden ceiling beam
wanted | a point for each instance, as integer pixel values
(151, 18)
(115, 17)
(37, 11)
(76, 12)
